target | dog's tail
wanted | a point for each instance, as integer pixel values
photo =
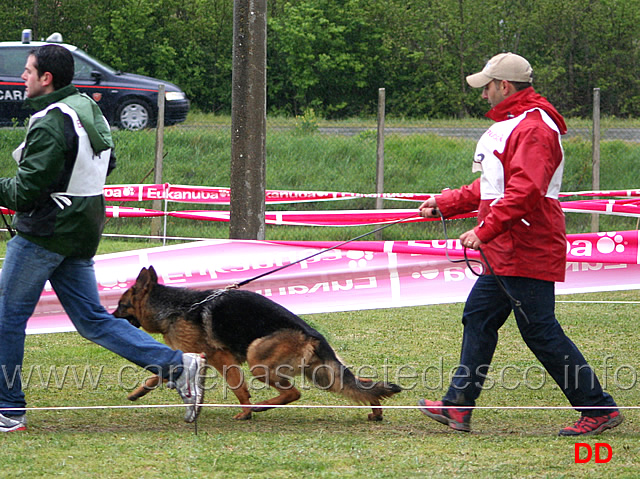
(330, 374)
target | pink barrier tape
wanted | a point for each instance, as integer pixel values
(222, 195)
(634, 192)
(316, 218)
(306, 218)
(128, 212)
(626, 207)
(135, 192)
(361, 217)
(609, 207)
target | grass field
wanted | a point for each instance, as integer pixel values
(419, 347)
(513, 434)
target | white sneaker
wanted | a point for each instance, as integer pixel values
(13, 423)
(190, 384)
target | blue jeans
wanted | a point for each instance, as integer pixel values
(26, 269)
(486, 310)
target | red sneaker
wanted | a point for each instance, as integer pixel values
(456, 418)
(593, 425)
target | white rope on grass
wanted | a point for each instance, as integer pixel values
(304, 406)
(599, 302)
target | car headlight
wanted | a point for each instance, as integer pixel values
(173, 95)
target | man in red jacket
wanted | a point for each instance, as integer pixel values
(521, 231)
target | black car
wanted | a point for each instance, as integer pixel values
(128, 101)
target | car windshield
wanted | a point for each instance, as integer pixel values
(12, 61)
(85, 64)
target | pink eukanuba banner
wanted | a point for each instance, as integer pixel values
(357, 276)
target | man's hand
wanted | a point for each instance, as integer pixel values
(429, 209)
(470, 240)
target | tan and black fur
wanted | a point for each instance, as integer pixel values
(235, 326)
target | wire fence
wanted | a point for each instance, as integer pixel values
(365, 156)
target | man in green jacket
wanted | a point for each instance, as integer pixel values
(57, 196)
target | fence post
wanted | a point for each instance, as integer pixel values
(156, 221)
(380, 155)
(248, 120)
(595, 147)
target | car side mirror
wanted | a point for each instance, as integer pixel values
(96, 75)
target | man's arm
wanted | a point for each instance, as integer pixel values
(42, 162)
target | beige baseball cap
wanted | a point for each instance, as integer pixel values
(504, 66)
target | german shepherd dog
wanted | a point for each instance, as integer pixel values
(233, 326)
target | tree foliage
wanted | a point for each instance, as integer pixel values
(332, 56)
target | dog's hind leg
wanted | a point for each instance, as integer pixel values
(376, 415)
(275, 360)
(288, 393)
(232, 373)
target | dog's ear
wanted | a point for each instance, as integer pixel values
(153, 275)
(141, 275)
(146, 278)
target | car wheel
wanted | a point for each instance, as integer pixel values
(134, 114)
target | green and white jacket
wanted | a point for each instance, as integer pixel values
(57, 192)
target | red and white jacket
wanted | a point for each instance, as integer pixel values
(521, 159)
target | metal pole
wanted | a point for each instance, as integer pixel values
(380, 155)
(156, 221)
(595, 217)
(248, 120)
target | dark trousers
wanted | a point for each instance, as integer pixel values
(486, 310)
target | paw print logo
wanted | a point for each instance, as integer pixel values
(358, 259)
(128, 191)
(426, 274)
(610, 242)
(425, 271)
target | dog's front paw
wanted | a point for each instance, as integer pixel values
(243, 416)
(374, 417)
